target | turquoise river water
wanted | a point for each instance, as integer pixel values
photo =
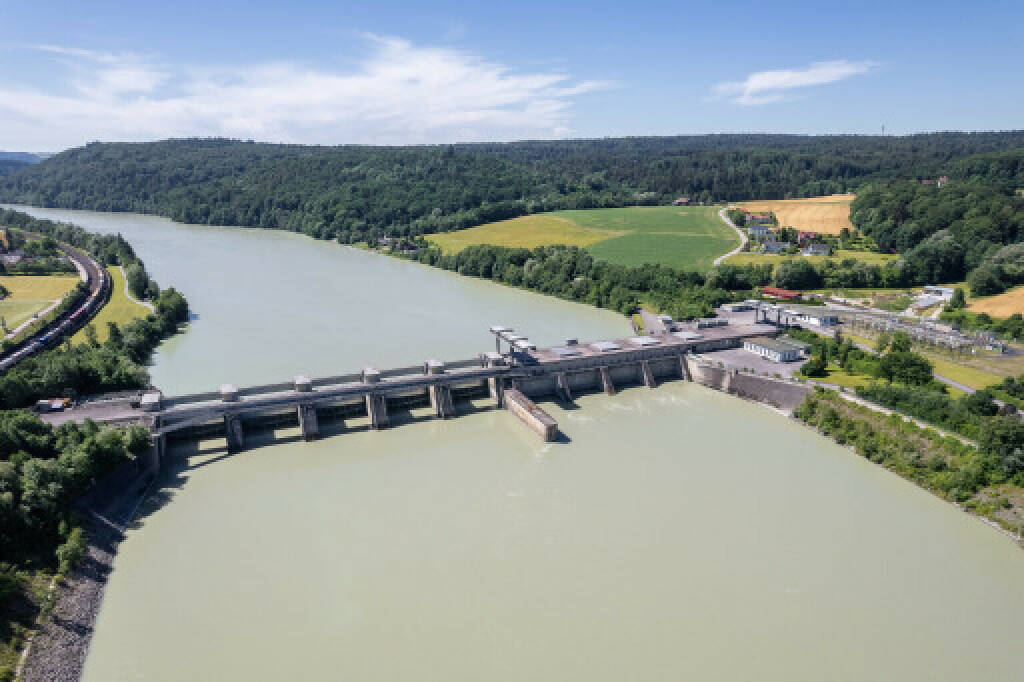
(680, 534)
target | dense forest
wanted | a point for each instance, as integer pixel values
(571, 273)
(357, 193)
(9, 166)
(971, 227)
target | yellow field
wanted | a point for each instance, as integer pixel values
(38, 287)
(31, 294)
(1003, 305)
(526, 232)
(118, 309)
(827, 215)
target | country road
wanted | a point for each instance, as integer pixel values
(743, 239)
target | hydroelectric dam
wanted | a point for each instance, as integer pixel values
(511, 375)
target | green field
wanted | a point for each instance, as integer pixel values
(119, 309)
(761, 258)
(31, 294)
(682, 237)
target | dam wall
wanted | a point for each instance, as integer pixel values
(779, 393)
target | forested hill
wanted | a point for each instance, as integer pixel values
(357, 192)
(10, 166)
(972, 226)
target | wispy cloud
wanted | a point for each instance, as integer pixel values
(763, 87)
(398, 93)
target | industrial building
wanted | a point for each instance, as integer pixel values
(776, 350)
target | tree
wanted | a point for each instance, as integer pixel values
(985, 280)
(958, 301)
(90, 335)
(1003, 439)
(815, 367)
(906, 368)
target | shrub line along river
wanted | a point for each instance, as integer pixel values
(679, 534)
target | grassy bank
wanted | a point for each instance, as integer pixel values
(119, 309)
(946, 466)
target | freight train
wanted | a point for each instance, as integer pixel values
(66, 324)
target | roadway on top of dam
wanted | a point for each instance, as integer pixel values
(176, 412)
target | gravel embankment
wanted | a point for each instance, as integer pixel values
(57, 652)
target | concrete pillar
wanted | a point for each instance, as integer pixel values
(727, 380)
(684, 369)
(303, 384)
(606, 381)
(496, 386)
(562, 387)
(441, 401)
(308, 423)
(233, 429)
(645, 367)
(229, 393)
(377, 408)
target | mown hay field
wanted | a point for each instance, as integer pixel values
(119, 309)
(683, 237)
(1003, 305)
(527, 232)
(31, 294)
(827, 215)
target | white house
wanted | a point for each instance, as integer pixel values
(944, 293)
(775, 350)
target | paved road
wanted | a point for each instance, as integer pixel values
(743, 239)
(652, 323)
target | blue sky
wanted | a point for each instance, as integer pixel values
(402, 72)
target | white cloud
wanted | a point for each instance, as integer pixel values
(763, 87)
(399, 93)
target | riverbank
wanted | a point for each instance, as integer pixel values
(950, 467)
(57, 651)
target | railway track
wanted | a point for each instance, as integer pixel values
(98, 281)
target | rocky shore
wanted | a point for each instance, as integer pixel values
(57, 651)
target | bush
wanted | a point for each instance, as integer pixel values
(71, 551)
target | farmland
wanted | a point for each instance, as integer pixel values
(762, 258)
(543, 229)
(826, 215)
(1003, 305)
(31, 294)
(119, 309)
(687, 238)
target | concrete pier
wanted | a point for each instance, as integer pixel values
(308, 422)
(233, 430)
(684, 369)
(562, 387)
(606, 381)
(645, 367)
(441, 401)
(377, 409)
(539, 421)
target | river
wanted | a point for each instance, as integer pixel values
(680, 534)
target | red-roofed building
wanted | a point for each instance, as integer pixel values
(784, 294)
(804, 236)
(681, 201)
